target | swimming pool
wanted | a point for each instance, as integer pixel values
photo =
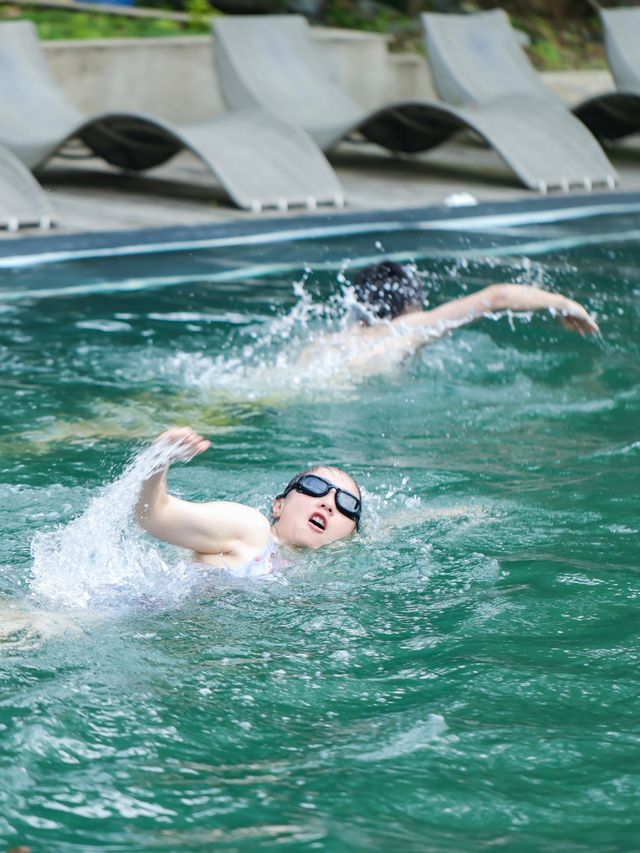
(461, 676)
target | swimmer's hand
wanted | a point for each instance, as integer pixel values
(522, 297)
(185, 443)
(575, 317)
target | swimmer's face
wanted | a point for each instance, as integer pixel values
(312, 522)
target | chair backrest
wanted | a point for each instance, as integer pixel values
(622, 42)
(476, 58)
(30, 97)
(272, 61)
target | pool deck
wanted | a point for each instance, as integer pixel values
(92, 198)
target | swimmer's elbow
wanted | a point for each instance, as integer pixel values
(495, 297)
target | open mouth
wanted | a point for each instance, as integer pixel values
(318, 521)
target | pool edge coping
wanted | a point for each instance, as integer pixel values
(33, 250)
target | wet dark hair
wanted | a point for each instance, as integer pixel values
(387, 290)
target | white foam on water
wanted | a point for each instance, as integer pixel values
(104, 325)
(419, 736)
(267, 364)
(101, 560)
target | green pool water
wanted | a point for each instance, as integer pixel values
(462, 676)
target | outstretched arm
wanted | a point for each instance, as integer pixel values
(215, 527)
(500, 297)
(409, 332)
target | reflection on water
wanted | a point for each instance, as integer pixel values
(461, 675)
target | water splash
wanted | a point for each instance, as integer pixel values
(270, 366)
(101, 559)
(308, 354)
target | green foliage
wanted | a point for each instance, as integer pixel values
(372, 17)
(577, 43)
(63, 24)
(199, 12)
(547, 55)
(563, 33)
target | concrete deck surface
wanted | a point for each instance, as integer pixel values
(90, 196)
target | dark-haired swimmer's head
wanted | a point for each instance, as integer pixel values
(388, 289)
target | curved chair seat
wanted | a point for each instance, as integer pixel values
(260, 160)
(272, 61)
(554, 154)
(22, 199)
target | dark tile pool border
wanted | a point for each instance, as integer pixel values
(25, 250)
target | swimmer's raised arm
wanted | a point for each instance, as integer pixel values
(214, 527)
(384, 345)
(495, 298)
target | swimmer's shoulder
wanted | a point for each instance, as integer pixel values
(227, 522)
(245, 532)
(348, 342)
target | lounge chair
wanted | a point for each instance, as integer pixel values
(22, 199)
(613, 115)
(273, 62)
(260, 160)
(478, 66)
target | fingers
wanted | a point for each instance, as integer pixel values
(586, 325)
(186, 442)
(571, 324)
(590, 326)
(577, 319)
(582, 325)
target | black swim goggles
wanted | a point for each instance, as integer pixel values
(316, 486)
